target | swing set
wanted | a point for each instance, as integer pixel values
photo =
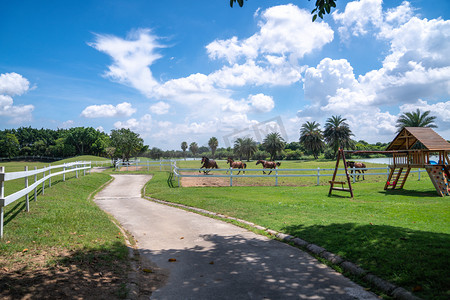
(413, 147)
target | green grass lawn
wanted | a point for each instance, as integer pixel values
(65, 226)
(402, 236)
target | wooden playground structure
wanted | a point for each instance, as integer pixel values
(413, 147)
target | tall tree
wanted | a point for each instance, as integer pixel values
(193, 147)
(322, 7)
(337, 133)
(311, 138)
(213, 143)
(274, 144)
(184, 146)
(415, 119)
(9, 146)
(245, 147)
(126, 142)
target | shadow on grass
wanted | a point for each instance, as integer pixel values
(410, 193)
(84, 274)
(415, 260)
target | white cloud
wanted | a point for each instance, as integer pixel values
(131, 58)
(67, 124)
(143, 126)
(13, 84)
(358, 17)
(160, 108)
(108, 111)
(262, 103)
(441, 110)
(284, 30)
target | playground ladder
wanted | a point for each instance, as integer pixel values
(333, 181)
(400, 174)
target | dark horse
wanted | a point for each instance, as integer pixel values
(208, 164)
(268, 165)
(236, 165)
(359, 167)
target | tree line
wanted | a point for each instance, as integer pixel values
(123, 143)
(313, 141)
(27, 141)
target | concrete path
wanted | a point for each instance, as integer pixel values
(217, 260)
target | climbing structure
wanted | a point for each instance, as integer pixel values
(412, 148)
(440, 177)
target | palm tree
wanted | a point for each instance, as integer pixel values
(415, 119)
(213, 143)
(245, 147)
(193, 147)
(274, 144)
(184, 146)
(337, 133)
(311, 137)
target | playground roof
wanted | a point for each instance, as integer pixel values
(406, 139)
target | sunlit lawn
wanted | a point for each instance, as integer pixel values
(402, 236)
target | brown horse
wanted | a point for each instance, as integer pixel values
(208, 164)
(358, 166)
(268, 165)
(236, 165)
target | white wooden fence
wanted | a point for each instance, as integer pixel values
(130, 165)
(276, 173)
(47, 175)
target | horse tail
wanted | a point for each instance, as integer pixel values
(215, 165)
(245, 165)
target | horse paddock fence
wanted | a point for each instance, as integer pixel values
(279, 173)
(46, 176)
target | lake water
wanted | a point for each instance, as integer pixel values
(385, 160)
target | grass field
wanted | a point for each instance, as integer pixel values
(402, 236)
(65, 240)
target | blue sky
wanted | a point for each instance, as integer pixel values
(180, 70)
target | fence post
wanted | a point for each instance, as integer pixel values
(43, 183)
(35, 188)
(318, 176)
(148, 166)
(419, 174)
(276, 176)
(27, 198)
(76, 171)
(354, 174)
(64, 174)
(231, 176)
(2, 194)
(50, 174)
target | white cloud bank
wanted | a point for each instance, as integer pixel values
(13, 84)
(417, 67)
(123, 109)
(268, 57)
(414, 73)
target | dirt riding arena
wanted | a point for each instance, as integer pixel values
(203, 180)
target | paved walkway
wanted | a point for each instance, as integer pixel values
(217, 260)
